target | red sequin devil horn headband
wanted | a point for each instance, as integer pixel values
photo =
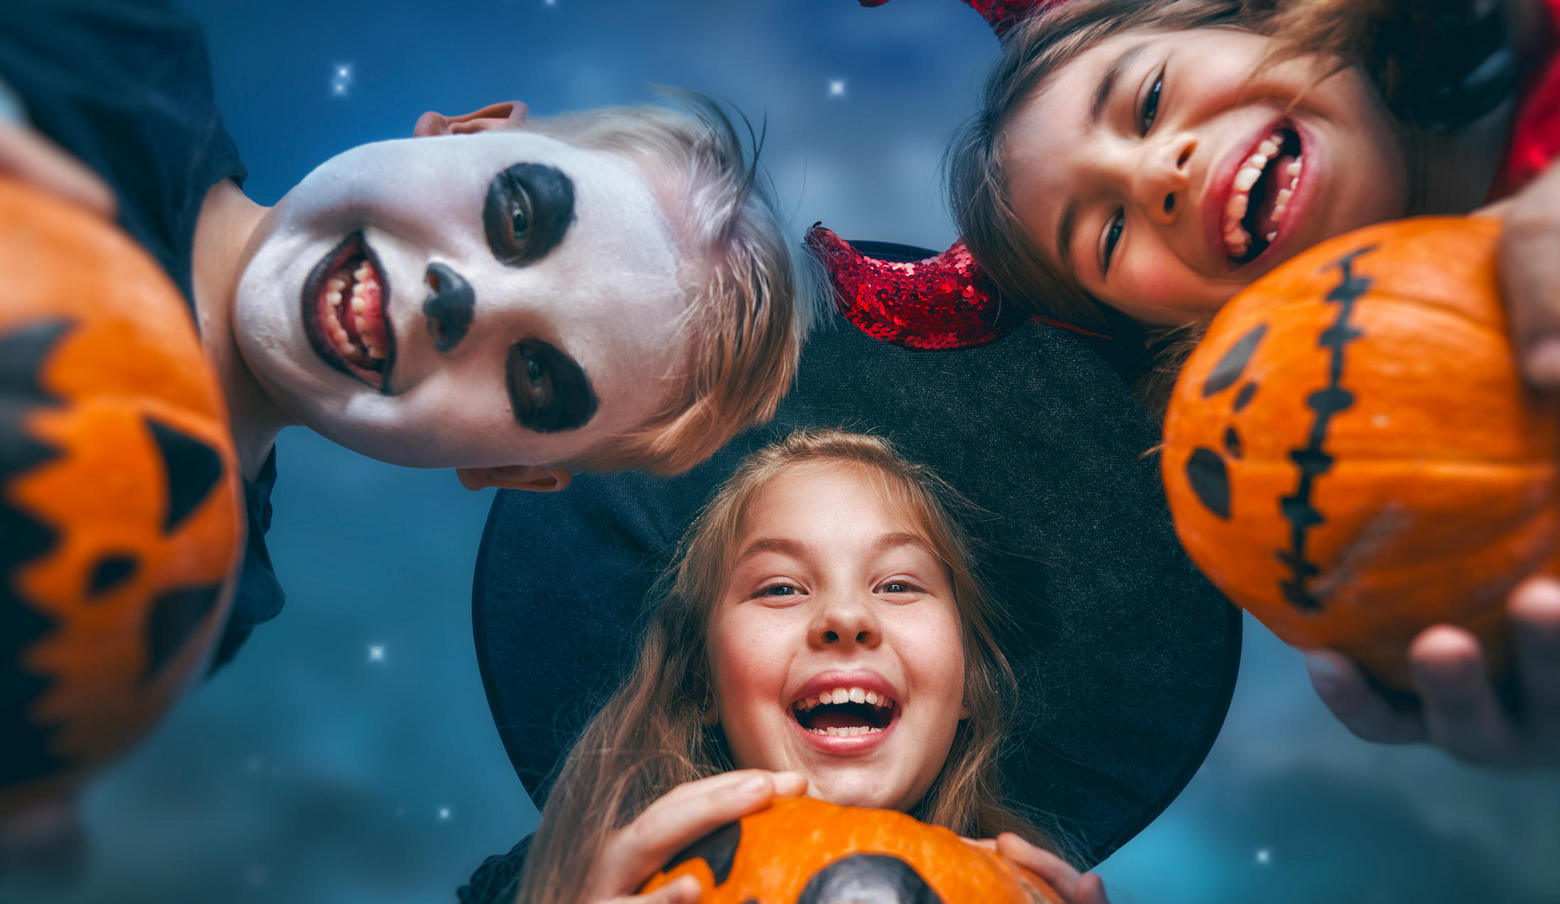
(936, 303)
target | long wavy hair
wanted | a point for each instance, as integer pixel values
(651, 736)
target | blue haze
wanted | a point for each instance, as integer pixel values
(309, 771)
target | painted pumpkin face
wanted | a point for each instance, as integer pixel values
(806, 851)
(120, 503)
(1350, 453)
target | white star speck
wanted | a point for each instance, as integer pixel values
(341, 80)
(376, 652)
(837, 87)
(1264, 856)
(444, 814)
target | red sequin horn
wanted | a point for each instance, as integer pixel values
(939, 302)
(1002, 15)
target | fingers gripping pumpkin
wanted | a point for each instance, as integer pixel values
(120, 507)
(806, 851)
(1350, 454)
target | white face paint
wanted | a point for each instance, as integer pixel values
(590, 280)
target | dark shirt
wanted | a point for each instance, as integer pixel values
(125, 86)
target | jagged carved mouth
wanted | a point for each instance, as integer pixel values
(845, 712)
(1260, 195)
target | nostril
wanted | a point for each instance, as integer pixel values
(861, 637)
(1186, 155)
(449, 306)
(831, 637)
(1170, 203)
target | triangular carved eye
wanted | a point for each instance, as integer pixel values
(1209, 480)
(1233, 364)
(191, 467)
(175, 616)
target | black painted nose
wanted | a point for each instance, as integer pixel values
(448, 307)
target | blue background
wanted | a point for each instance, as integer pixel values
(310, 770)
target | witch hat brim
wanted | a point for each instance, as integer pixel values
(1126, 656)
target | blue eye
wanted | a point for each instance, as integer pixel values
(898, 587)
(1151, 104)
(1112, 238)
(779, 590)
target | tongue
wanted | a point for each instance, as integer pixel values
(1274, 180)
(836, 719)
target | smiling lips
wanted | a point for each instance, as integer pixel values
(1259, 195)
(343, 302)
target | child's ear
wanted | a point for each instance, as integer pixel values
(506, 115)
(533, 478)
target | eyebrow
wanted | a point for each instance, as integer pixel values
(1102, 95)
(797, 549)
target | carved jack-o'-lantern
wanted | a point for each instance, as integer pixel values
(805, 851)
(120, 505)
(1350, 454)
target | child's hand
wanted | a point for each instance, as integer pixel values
(678, 818)
(32, 158)
(1073, 886)
(1459, 710)
(1529, 269)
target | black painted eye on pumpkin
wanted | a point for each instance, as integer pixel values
(119, 499)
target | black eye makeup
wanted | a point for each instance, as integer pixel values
(528, 210)
(547, 388)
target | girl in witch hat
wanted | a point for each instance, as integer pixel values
(822, 631)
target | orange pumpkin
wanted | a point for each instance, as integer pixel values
(120, 502)
(1351, 455)
(806, 851)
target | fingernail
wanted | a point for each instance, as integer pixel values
(1542, 363)
(754, 784)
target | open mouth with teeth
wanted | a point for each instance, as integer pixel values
(845, 712)
(1259, 197)
(343, 313)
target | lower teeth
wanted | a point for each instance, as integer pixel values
(849, 732)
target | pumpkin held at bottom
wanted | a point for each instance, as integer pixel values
(805, 851)
(120, 506)
(1350, 454)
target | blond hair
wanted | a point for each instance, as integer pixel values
(650, 736)
(752, 293)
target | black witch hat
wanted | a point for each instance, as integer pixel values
(1126, 657)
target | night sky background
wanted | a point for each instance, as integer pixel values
(348, 755)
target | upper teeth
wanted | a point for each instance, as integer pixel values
(1236, 239)
(845, 695)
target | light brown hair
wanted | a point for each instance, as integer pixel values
(650, 737)
(753, 293)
